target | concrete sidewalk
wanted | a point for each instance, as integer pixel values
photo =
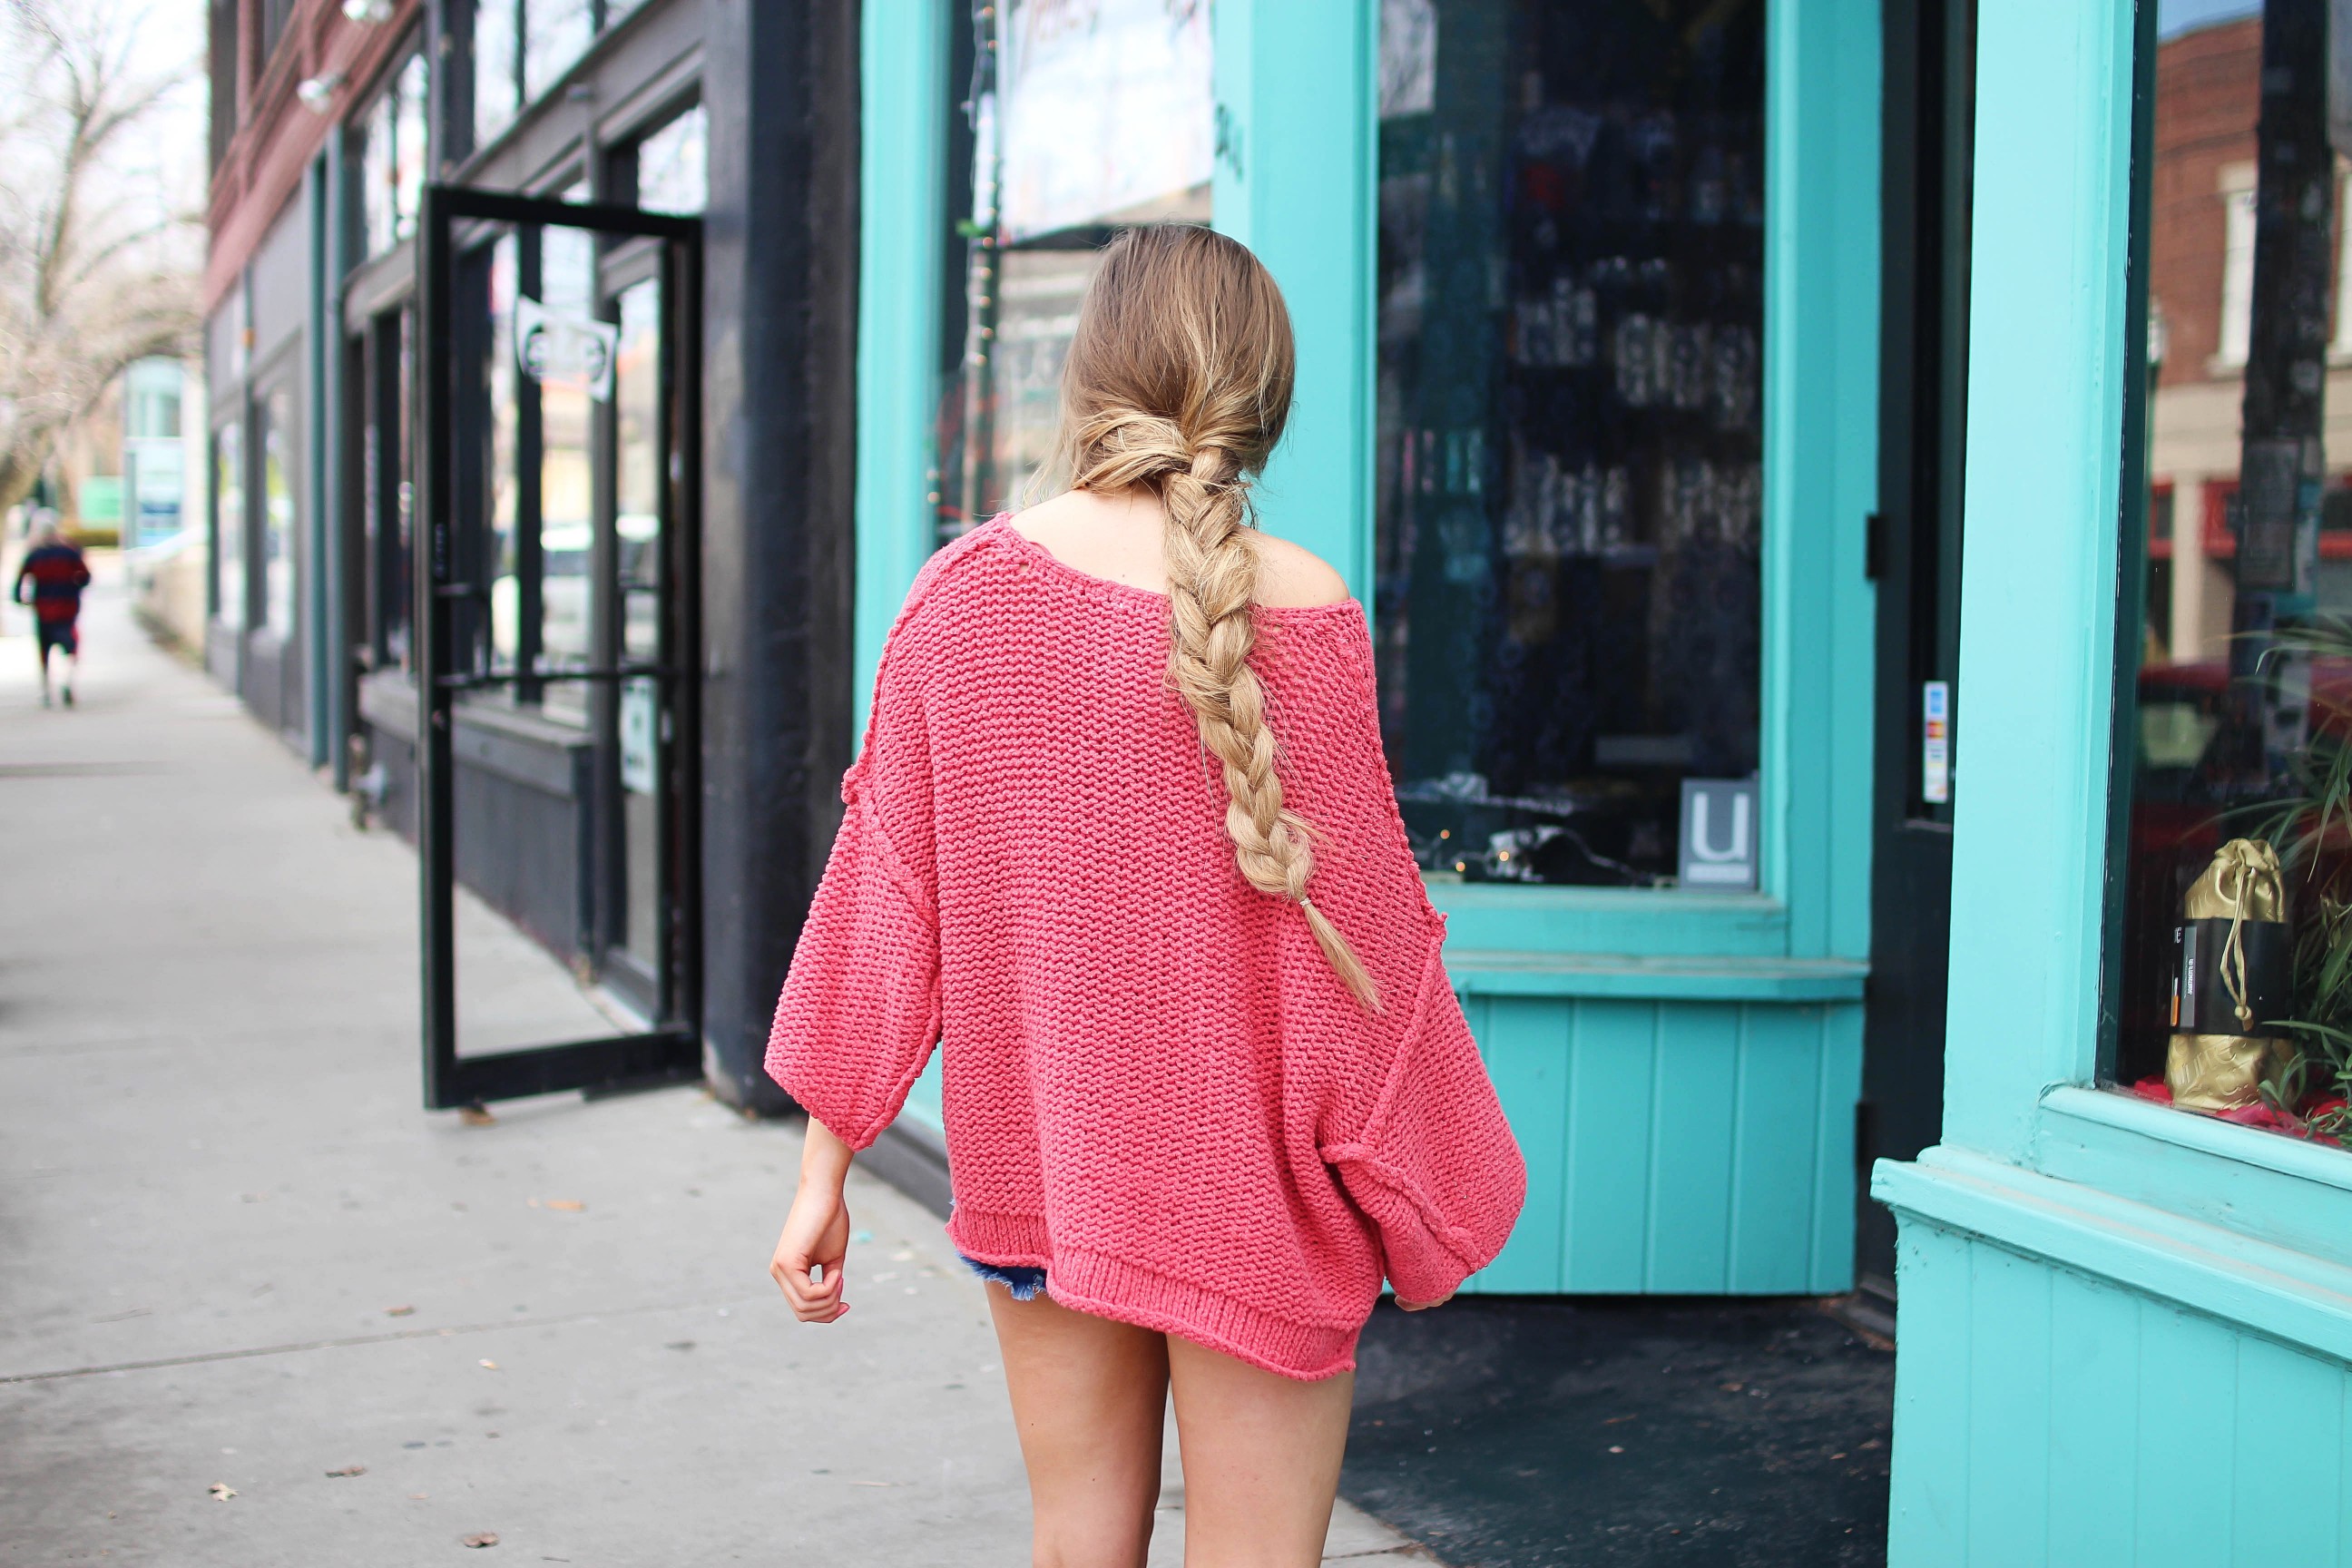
(257, 1308)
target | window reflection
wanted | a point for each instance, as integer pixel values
(391, 158)
(1569, 493)
(498, 75)
(1078, 119)
(501, 545)
(672, 174)
(567, 597)
(555, 33)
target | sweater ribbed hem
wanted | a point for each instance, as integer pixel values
(1126, 1292)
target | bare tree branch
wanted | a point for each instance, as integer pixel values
(92, 277)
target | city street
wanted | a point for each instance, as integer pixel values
(258, 1308)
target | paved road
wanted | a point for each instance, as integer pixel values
(235, 1259)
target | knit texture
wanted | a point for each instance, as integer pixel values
(1155, 1088)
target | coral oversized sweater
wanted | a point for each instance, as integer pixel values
(1156, 1088)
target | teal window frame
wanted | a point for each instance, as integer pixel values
(1296, 179)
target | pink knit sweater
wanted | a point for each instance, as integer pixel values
(1156, 1090)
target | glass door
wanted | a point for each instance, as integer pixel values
(556, 549)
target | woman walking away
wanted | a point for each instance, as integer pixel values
(1121, 837)
(57, 574)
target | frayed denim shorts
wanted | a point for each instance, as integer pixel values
(1022, 1279)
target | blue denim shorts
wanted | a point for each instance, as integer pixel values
(1022, 1279)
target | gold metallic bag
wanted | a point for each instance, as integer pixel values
(2236, 913)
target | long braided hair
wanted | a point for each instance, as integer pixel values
(1178, 382)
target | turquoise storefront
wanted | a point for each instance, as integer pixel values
(2125, 1328)
(1682, 1065)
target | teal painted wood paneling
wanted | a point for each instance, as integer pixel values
(902, 233)
(2048, 1419)
(2275, 1522)
(1675, 1147)
(1611, 1080)
(2281, 1190)
(1525, 1045)
(2008, 1494)
(2047, 330)
(1297, 96)
(1781, 1068)
(2186, 1442)
(1927, 1515)
(2094, 1374)
(1694, 1122)
(1490, 972)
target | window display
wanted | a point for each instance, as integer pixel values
(1570, 483)
(2234, 984)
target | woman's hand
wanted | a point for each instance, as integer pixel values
(810, 1253)
(1423, 1306)
(807, 1265)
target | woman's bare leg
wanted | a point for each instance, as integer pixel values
(1090, 1398)
(1261, 1460)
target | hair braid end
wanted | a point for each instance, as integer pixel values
(1342, 957)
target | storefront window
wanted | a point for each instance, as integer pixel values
(2237, 592)
(671, 168)
(555, 33)
(498, 73)
(523, 47)
(392, 157)
(1569, 490)
(228, 525)
(388, 474)
(1079, 120)
(277, 510)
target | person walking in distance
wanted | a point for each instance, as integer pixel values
(56, 573)
(1121, 841)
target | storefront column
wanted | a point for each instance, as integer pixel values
(1297, 89)
(780, 86)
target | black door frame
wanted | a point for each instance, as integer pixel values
(672, 1050)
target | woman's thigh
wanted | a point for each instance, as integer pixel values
(1261, 1460)
(1090, 1400)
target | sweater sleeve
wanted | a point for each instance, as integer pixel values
(1435, 1168)
(860, 1009)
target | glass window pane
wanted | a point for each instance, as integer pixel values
(2239, 563)
(637, 472)
(566, 528)
(391, 158)
(1569, 489)
(1093, 119)
(555, 34)
(672, 174)
(499, 552)
(228, 525)
(638, 467)
(279, 511)
(496, 68)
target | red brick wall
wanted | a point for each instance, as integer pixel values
(2207, 92)
(277, 136)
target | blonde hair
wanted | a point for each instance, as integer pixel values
(1178, 382)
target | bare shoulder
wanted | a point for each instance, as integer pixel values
(1293, 577)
